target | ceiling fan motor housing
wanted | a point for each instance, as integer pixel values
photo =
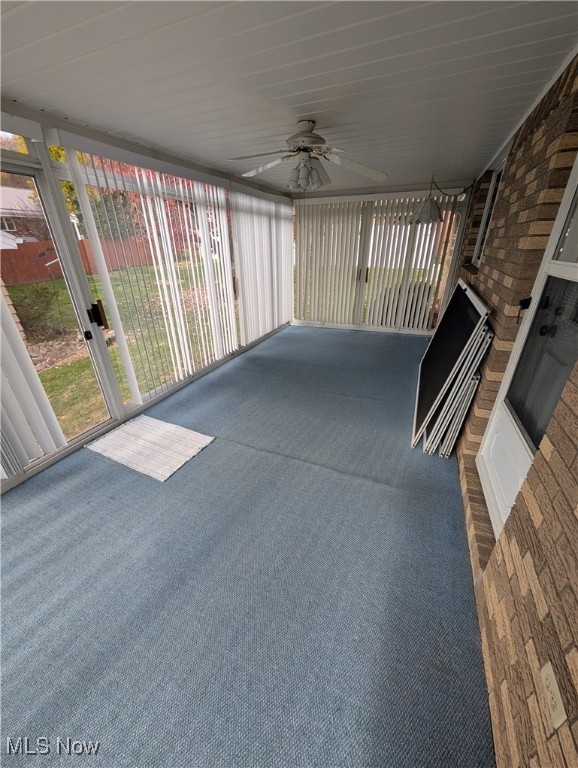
(305, 136)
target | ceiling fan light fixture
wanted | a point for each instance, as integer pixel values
(303, 176)
(314, 179)
(317, 165)
(293, 182)
(307, 175)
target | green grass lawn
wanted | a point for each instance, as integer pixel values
(49, 300)
(46, 312)
(75, 395)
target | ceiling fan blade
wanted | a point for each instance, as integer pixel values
(266, 167)
(260, 154)
(323, 150)
(362, 170)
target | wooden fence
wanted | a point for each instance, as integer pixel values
(31, 262)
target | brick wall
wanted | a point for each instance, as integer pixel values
(527, 601)
(526, 583)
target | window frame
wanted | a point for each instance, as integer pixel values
(497, 168)
(550, 267)
(4, 224)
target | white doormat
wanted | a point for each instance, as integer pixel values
(150, 446)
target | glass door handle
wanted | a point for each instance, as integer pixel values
(102, 314)
(97, 315)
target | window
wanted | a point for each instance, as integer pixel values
(7, 224)
(498, 169)
(487, 216)
(551, 347)
(547, 359)
(567, 250)
(12, 142)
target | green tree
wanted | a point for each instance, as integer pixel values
(13, 142)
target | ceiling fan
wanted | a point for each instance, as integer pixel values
(308, 148)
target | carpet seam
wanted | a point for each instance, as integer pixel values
(296, 385)
(312, 464)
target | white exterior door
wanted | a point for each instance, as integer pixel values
(541, 361)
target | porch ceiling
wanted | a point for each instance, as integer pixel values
(411, 88)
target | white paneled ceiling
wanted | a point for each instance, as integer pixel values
(411, 88)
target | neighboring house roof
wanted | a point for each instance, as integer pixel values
(7, 241)
(18, 203)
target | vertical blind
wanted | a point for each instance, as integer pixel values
(166, 246)
(327, 261)
(261, 246)
(364, 263)
(29, 428)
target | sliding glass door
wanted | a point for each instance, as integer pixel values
(368, 263)
(50, 390)
(159, 246)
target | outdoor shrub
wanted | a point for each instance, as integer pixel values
(34, 305)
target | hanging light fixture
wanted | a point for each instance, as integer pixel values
(429, 211)
(293, 182)
(318, 175)
(308, 174)
(314, 179)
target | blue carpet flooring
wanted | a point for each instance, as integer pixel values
(297, 596)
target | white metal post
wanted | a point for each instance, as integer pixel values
(75, 275)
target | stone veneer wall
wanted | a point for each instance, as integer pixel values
(526, 583)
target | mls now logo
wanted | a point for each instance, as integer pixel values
(23, 745)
